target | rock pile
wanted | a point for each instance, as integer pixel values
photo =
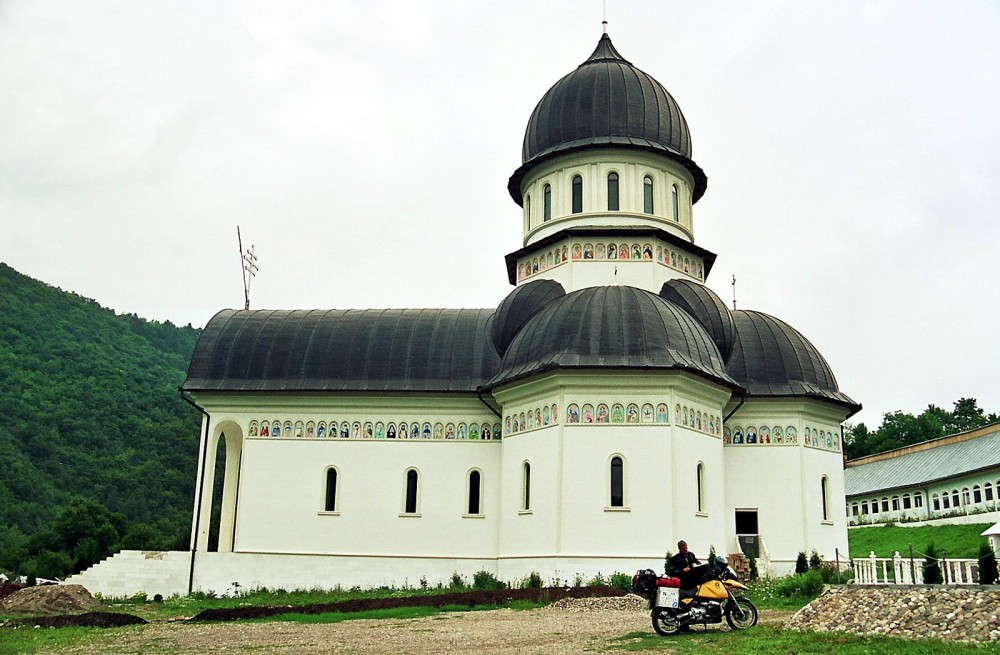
(969, 614)
(629, 603)
(49, 599)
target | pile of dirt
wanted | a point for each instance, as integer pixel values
(87, 619)
(49, 599)
(8, 588)
(465, 598)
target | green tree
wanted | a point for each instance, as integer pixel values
(987, 564)
(932, 569)
(801, 564)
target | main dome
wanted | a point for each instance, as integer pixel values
(606, 102)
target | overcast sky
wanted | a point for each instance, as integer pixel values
(852, 152)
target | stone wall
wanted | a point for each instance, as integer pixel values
(970, 614)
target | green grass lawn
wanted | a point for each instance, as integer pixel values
(958, 541)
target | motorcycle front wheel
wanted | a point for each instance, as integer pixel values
(665, 623)
(741, 614)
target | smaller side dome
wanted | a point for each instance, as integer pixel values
(520, 305)
(707, 308)
(771, 358)
(612, 328)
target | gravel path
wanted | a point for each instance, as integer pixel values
(566, 627)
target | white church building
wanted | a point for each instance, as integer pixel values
(609, 406)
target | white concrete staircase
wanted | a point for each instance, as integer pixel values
(133, 571)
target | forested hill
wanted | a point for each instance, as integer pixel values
(89, 409)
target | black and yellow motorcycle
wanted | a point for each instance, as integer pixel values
(715, 596)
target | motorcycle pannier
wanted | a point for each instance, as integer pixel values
(667, 597)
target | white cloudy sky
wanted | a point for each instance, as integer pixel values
(852, 150)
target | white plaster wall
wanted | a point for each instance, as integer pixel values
(130, 572)
(282, 495)
(530, 532)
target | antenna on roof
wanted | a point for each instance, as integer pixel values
(604, 22)
(248, 262)
(734, 293)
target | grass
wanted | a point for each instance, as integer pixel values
(958, 541)
(768, 640)
(21, 641)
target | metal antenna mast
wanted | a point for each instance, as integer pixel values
(734, 293)
(248, 264)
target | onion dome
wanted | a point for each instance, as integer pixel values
(612, 328)
(707, 308)
(520, 305)
(771, 358)
(343, 350)
(606, 102)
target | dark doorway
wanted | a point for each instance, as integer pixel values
(747, 532)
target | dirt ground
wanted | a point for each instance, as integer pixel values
(565, 628)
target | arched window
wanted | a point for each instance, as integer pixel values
(864, 506)
(547, 203)
(330, 504)
(854, 509)
(988, 491)
(577, 194)
(700, 483)
(475, 492)
(977, 494)
(613, 192)
(954, 499)
(647, 194)
(885, 504)
(945, 501)
(966, 497)
(676, 207)
(412, 481)
(906, 501)
(936, 503)
(824, 487)
(527, 208)
(526, 486)
(617, 482)
(918, 500)
(895, 503)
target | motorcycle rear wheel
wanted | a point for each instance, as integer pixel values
(665, 623)
(741, 614)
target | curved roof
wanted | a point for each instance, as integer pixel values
(343, 350)
(520, 305)
(771, 358)
(606, 102)
(612, 327)
(707, 308)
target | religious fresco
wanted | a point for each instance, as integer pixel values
(377, 429)
(532, 419)
(616, 413)
(606, 251)
(765, 435)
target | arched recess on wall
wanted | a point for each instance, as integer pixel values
(222, 460)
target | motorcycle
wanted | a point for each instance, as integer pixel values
(715, 596)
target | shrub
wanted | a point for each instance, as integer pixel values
(753, 568)
(486, 580)
(815, 561)
(597, 581)
(932, 570)
(578, 580)
(533, 581)
(457, 581)
(801, 564)
(987, 564)
(806, 585)
(666, 562)
(621, 581)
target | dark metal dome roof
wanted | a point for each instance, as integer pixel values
(771, 358)
(520, 305)
(606, 102)
(344, 350)
(707, 308)
(612, 327)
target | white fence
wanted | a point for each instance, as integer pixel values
(904, 570)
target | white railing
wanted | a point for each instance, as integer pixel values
(904, 570)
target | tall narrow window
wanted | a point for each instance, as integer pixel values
(673, 196)
(411, 492)
(613, 192)
(526, 487)
(547, 203)
(700, 481)
(577, 194)
(527, 208)
(475, 491)
(824, 485)
(918, 500)
(647, 194)
(331, 491)
(617, 482)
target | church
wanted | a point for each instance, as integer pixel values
(608, 407)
